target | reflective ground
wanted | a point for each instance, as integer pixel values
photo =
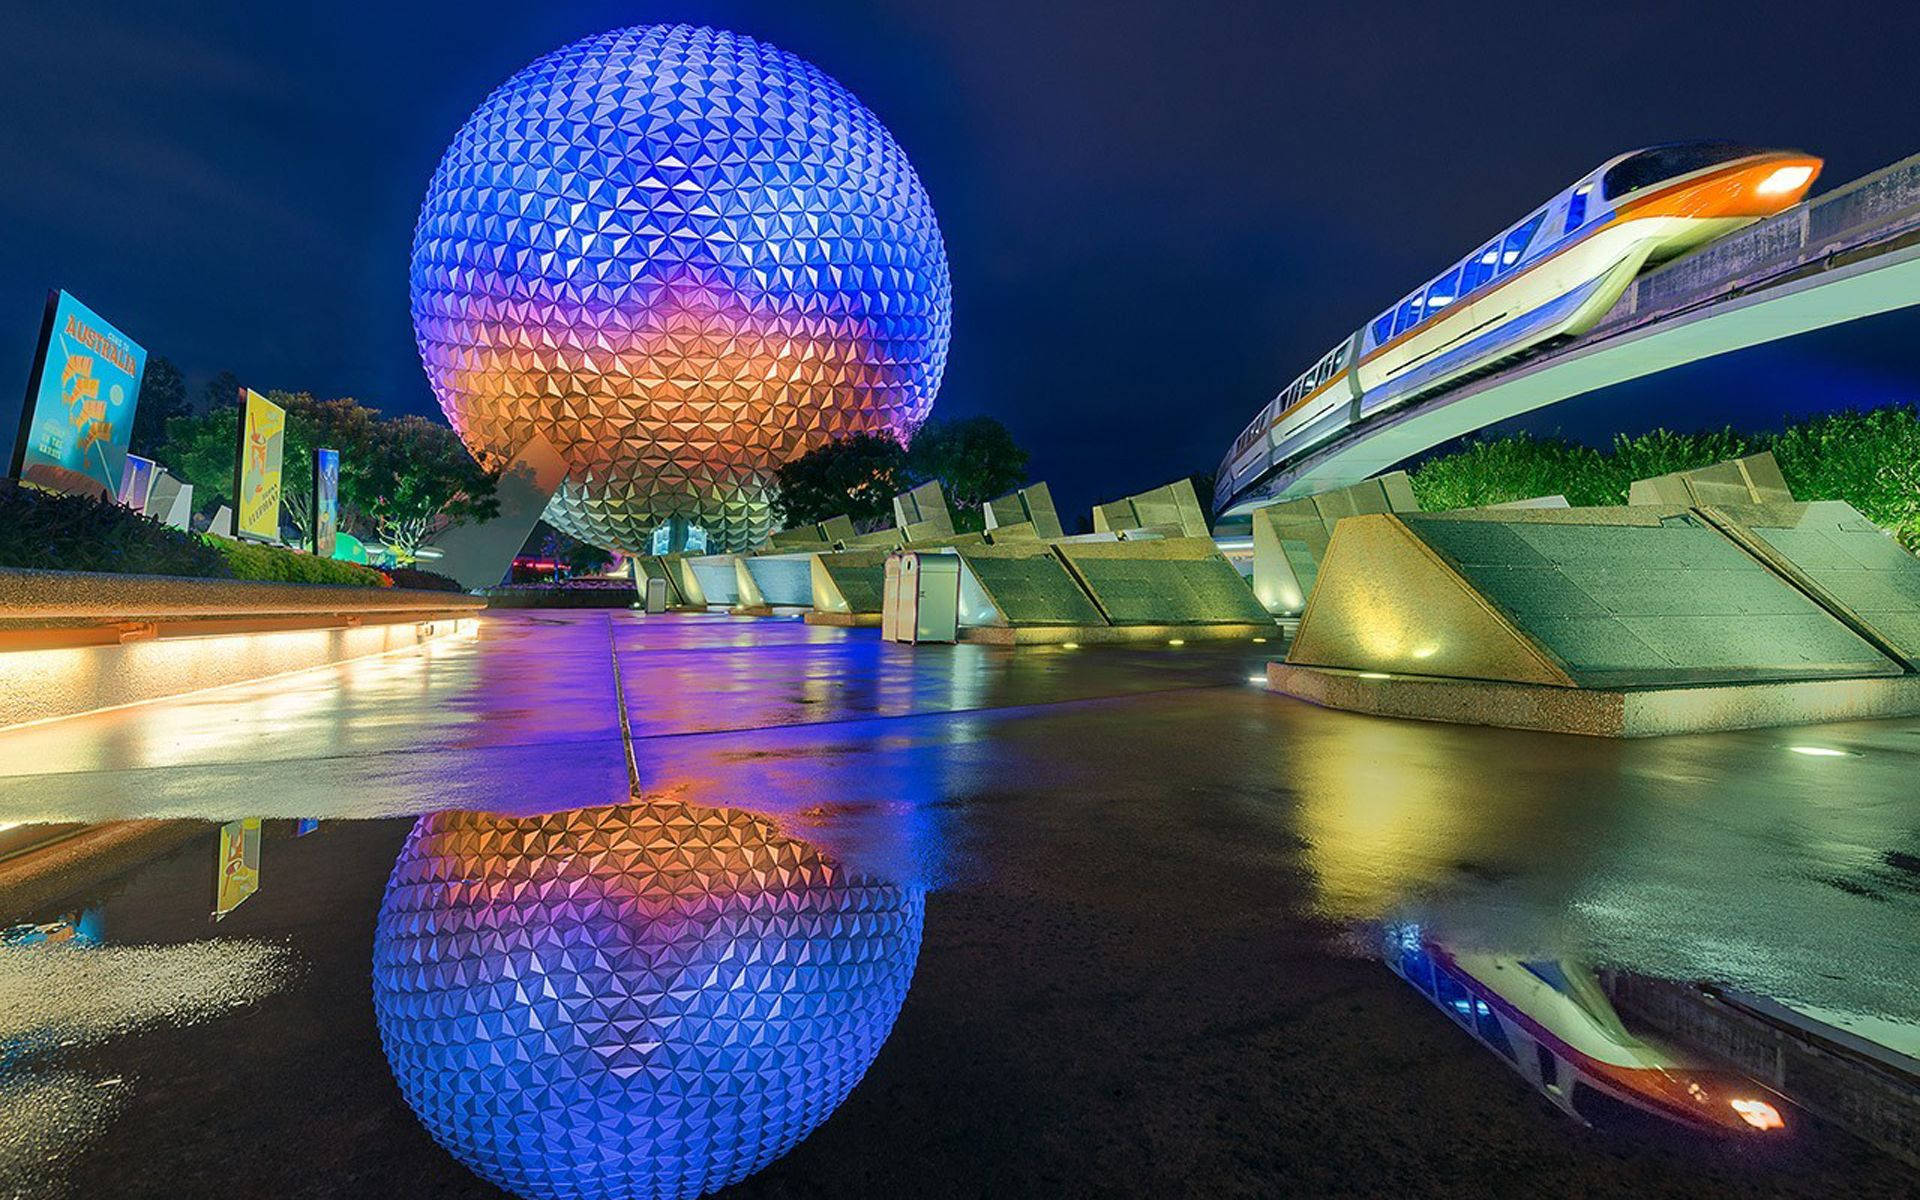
(892, 921)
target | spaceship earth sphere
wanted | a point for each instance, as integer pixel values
(683, 257)
(637, 1001)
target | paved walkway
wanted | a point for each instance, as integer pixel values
(1144, 966)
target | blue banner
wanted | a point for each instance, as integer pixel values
(73, 435)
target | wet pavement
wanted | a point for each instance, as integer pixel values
(1139, 901)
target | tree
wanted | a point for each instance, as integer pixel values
(222, 391)
(343, 424)
(200, 449)
(975, 460)
(418, 480)
(163, 396)
(1204, 483)
(857, 476)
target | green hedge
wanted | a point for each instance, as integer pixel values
(426, 581)
(52, 532)
(48, 531)
(250, 560)
(1869, 459)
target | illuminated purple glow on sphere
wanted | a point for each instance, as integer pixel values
(683, 257)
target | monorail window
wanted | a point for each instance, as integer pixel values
(1418, 969)
(1577, 207)
(1383, 328)
(1452, 996)
(1490, 1030)
(1408, 316)
(1480, 268)
(1443, 291)
(1513, 247)
(1657, 164)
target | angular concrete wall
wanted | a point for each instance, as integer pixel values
(1168, 581)
(717, 577)
(1021, 584)
(1846, 562)
(1609, 598)
(783, 580)
(1290, 538)
(923, 513)
(1174, 507)
(1030, 506)
(1755, 479)
(849, 581)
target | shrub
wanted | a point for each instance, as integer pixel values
(1498, 470)
(251, 560)
(49, 531)
(1869, 459)
(429, 581)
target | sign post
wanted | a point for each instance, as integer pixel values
(256, 468)
(326, 500)
(80, 399)
(239, 865)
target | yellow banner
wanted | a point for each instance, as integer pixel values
(263, 430)
(239, 865)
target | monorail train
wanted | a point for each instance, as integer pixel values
(1548, 277)
(1550, 1021)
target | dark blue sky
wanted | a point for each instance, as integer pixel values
(1157, 212)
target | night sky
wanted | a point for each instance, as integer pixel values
(1157, 212)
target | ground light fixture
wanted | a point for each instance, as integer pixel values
(1823, 752)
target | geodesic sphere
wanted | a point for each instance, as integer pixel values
(684, 257)
(645, 1000)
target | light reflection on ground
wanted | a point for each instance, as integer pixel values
(1140, 870)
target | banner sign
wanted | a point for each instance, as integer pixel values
(136, 483)
(326, 500)
(239, 865)
(256, 488)
(80, 399)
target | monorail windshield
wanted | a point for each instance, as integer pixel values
(1657, 163)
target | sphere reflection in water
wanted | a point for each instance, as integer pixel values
(646, 1000)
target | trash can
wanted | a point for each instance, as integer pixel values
(922, 602)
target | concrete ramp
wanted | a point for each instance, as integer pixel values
(1163, 582)
(1290, 538)
(1024, 584)
(1755, 479)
